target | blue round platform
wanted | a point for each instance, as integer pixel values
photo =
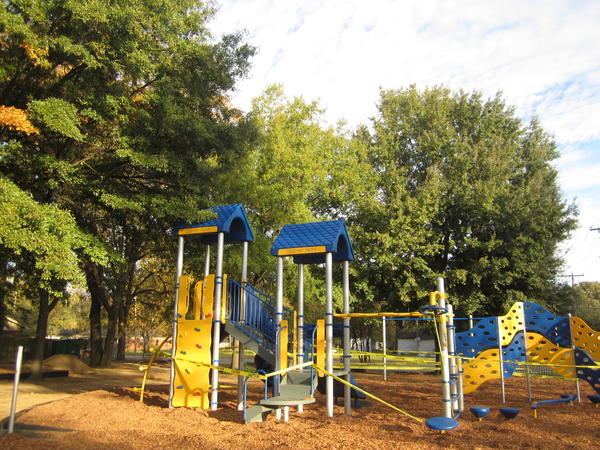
(442, 423)
(479, 411)
(510, 413)
(432, 309)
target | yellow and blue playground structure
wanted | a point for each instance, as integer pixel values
(217, 306)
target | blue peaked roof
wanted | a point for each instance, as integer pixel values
(308, 242)
(231, 220)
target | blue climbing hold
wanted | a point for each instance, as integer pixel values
(442, 423)
(510, 413)
(479, 411)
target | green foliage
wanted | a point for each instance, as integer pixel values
(58, 116)
(47, 234)
(587, 303)
(464, 190)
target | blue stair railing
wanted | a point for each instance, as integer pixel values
(259, 313)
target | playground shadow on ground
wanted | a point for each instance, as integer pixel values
(153, 396)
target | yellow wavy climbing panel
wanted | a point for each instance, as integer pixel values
(512, 323)
(541, 350)
(485, 368)
(183, 301)
(585, 338)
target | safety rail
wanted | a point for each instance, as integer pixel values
(259, 312)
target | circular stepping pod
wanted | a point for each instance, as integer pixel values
(479, 411)
(510, 413)
(441, 423)
(595, 399)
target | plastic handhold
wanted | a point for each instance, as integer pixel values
(442, 423)
(179, 315)
(198, 346)
(479, 411)
(510, 413)
(197, 329)
(180, 386)
(183, 352)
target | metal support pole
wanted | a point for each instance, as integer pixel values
(13, 404)
(444, 360)
(470, 321)
(329, 329)
(207, 261)
(242, 317)
(214, 393)
(577, 388)
(180, 245)
(384, 350)
(455, 391)
(278, 318)
(529, 396)
(501, 361)
(300, 348)
(346, 289)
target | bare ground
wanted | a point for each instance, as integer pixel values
(114, 418)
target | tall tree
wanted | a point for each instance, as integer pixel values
(465, 190)
(130, 100)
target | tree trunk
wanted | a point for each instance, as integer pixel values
(122, 326)
(45, 307)
(111, 335)
(98, 297)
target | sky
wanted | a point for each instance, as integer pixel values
(544, 56)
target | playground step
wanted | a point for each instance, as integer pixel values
(246, 336)
(284, 400)
(257, 413)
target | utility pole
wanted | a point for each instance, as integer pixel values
(595, 229)
(572, 277)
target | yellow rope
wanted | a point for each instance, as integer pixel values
(147, 368)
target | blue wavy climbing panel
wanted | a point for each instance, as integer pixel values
(542, 321)
(515, 351)
(483, 336)
(592, 376)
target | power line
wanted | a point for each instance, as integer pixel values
(572, 277)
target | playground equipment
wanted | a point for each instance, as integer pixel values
(218, 305)
(595, 399)
(565, 398)
(510, 413)
(479, 411)
(529, 335)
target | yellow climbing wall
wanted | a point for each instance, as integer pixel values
(512, 323)
(541, 350)
(485, 368)
(191, 382)
(585, 338)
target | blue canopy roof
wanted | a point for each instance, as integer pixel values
(308, 242)
(231, 220)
